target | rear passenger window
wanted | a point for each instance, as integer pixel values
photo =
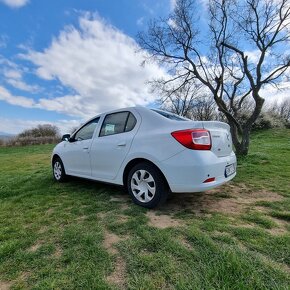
(117, 123)
(131, 122)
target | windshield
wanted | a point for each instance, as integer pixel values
(170, 116)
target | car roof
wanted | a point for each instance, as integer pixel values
(144, 112)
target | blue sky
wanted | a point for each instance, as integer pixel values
(63, 61)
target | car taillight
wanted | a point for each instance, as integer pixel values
(196, 139)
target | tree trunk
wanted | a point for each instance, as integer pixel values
(241, 140)
(242, 147)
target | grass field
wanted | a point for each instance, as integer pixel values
(87, 235)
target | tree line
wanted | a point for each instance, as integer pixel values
(196, 104)
(41, 134)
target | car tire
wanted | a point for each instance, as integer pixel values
(147, 186)
(58, 170)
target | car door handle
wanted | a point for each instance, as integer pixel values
(122, 144)
(85, 148)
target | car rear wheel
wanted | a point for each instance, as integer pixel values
(147, 185)
(58, 170)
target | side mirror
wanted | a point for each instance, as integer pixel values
(65, 137)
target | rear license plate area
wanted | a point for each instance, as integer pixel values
(230, 170)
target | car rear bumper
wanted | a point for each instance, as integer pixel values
(187, 171)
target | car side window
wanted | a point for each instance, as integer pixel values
(131, 122)
(87, 131)
(117, 123)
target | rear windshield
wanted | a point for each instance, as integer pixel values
(170, 116)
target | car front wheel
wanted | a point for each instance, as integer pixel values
(147, 185)
(58, 170)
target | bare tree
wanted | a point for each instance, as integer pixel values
(203, 109)
(243, 51)
(188, 100)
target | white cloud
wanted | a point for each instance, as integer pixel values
(100, 64)
(15, 3)
(253, 55)
(21, 85)
(6, 96)
(172, 23)
(3, 40)
(13, 75)
(204, 4)
(16, 126)
(71, 104)
(14, 78)
(272, 94)
(140, 21)
(172, 4)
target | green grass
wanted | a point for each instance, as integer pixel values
(259, 219)
(281, 215)
(55, 236)
(267, 164)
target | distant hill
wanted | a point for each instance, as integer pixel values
(4, 135)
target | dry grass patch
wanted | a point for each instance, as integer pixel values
(281, 229)
(162, 221)
(122, 218)
(5, 285)
(43, 229)
(124, 206)
(109, 241)
(118, 276)
(58, 252)
(229, 199)
(49, 211)
(81, 218)
(277, 231)
(35, 247)
(101, 215)
(123, 200)
(120, 198)
(185, 243)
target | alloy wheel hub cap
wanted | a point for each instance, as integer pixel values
(57, 170)
(143, 186)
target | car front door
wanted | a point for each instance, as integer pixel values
(76, 157)
(110, 148)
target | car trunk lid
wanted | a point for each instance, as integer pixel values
(220, 137)
(220, 134)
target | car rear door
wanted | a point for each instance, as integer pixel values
(112, 144)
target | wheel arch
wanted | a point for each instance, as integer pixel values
(136, 161)
(55, 156)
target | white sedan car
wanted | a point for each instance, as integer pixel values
(151, 152)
